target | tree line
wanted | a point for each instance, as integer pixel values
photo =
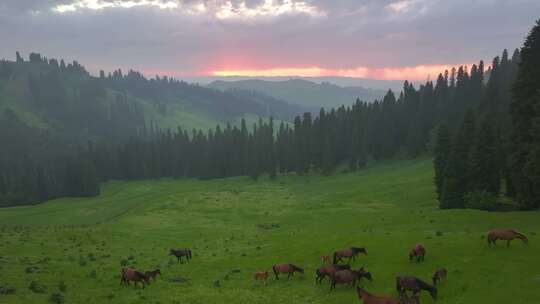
(480, 124)
(495, 152)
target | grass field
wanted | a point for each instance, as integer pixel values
(238, 226)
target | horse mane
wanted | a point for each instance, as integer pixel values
(296, 267)
(426, 286)
(519, 234)
(358, 249)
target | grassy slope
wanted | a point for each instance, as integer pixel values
(387, 208)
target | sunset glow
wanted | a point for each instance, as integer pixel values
(420, 72)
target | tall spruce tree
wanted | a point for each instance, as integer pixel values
(525, 110)
(442, 153)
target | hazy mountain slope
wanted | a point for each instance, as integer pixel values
(303, 92)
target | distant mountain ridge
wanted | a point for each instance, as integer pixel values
(303, 92)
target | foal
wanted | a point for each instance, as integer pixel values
(261, 275)
(439, 275)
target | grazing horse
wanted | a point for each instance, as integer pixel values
(348, 277)
(152, 274)
(325, 259)
(130, 274)
(368, 298)
(328, 270)
(179, 253)
(419, 251)
(349, 253)
(261, 275)
(289, 269)
(404, 283)
(505, 235)
(439, 275)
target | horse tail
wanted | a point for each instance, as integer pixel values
(274, 270)
(335, 258)
(398, 284)
(189, 253)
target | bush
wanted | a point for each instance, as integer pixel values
(57, 298)
(37, 288)
(481, 200)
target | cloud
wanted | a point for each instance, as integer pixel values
(376, 38)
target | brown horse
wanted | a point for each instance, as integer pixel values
(130, 274)
(349, 253)
(348, 277)
(261, 275)
(404, 283)
(439, 275)
(151, 275)
(368, 298)
(289, 269)
(328, 270)
(418, 252)
(505, 235)
(179, 253)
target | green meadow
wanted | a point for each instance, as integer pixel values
(237, 226)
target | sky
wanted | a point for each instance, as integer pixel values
(375, 39)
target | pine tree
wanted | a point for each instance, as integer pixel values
(485, 173)
(442, 154)
(525, 110)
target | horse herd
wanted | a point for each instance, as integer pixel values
(343, 273)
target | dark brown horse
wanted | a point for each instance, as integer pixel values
(348, 276)
(151, 275)
(368, 298)
(328, 270)
(179, 253)
(289, 269)
(439, 275)
(418, 252)
(404, 283)
(129, 274)
(349, 253)
(505, 235)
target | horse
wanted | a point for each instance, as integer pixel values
(289, 269)
(505, 235)
(368, 298)
(130, 274)
(404, 283)
(419, 251)
(349, 253)
(179, 253)
(261, 275)
(325, 259)
(151, 275)
(348, 276)
(439, 275)
(328, 270)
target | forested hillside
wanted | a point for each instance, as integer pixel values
(480, 124)
(303, 92)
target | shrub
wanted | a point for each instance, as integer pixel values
(37, 288)
(57, 298)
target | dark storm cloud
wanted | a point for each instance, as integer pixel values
(195, 36)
